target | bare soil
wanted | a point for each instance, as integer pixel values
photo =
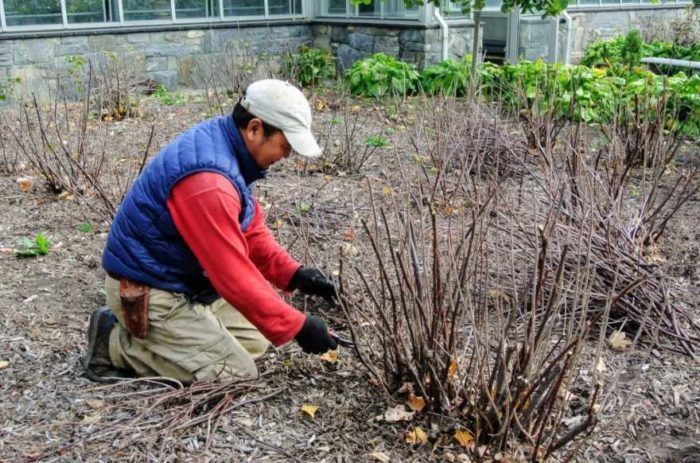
(50, 412)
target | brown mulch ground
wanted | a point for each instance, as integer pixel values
(50, 412)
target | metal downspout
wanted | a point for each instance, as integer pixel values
(569, 33)
(445, 33)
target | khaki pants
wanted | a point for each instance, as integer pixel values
(186, 341)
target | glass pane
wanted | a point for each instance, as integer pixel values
(87, 11)
(29, 12)
(140, 10)
(610, 2)
(493, 5)
(371, 10)
(195, 9)
(283, 7)
(452, 9)
(244, 7)
(397, 9)
(588, 2)
(336, 7)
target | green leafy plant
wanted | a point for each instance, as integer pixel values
(303, 207)
(309, 66)
(630, 49)
(168, 98)
(382, 75)
(7, 86)
(631, 52)
(39, 246)
(449, 77)
(377, 141)
(593, 95)
(603, 52)
(85, 227)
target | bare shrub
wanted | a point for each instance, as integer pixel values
(646, 131)
(683, 30)
(117, 81)
(442, 305)
(224, 76)
(482, 301)
(350, 137)
(10, 162)
(67, 146)
(445, 139)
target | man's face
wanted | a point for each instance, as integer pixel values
(265, 150)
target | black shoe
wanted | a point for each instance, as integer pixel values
(97, 363)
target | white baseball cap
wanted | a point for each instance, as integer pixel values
(282, 105)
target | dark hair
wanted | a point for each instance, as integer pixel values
(242, 117)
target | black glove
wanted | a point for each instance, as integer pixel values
(314, 337)
(311, 281)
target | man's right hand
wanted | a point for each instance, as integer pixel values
(314, 337)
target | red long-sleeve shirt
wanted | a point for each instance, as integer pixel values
(205, 207)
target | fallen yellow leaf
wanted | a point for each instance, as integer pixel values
(619, 341)
(464, 438)
(24, 183)
(600, 365)
(380, 456)
(387, 191)
(331, 356)
(416, 403)
(320, 105)
(309, 409)
(452, 371)
(4, 364)
(417, 436)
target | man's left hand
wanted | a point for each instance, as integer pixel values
(311, 281)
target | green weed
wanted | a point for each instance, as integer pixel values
(168, 98)
(376, 141)
(39, 246)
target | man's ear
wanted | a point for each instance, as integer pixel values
(255, 127)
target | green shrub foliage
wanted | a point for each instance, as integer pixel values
(579, 93)
(450, 77)
(593, 95)
(309, 66)
(381, 75)
(606, 53)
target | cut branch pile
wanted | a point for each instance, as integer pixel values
(159, 419)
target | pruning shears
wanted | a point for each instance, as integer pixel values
(345, 342)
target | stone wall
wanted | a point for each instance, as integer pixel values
(167, 56)
(417, 44)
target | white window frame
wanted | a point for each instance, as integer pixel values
(119, 20)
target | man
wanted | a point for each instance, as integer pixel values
(189, 259)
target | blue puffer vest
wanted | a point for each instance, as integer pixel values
(143, 243)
